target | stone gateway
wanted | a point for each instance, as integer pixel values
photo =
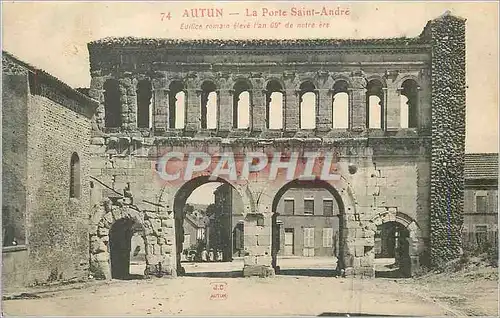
(390, 111)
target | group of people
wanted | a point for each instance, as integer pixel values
(211, 255)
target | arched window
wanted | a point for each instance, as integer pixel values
(176, 105)
(340, 105)
(144, 109)
(112, 105)
(74, 176)
(274, 105)
(208, 106)
(241, 105)
(374, 104)
(409, 104)
(307, 106)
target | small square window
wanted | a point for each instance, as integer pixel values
(309, 206)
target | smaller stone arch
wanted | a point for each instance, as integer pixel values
(406, 77)
(377, 77)
(174, 79)
(340, 77)
(414, 239)
(154, 231)
(273, 79)
(209, 78)
(241, 79)
(306, 79)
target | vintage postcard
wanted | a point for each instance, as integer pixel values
(249, 158)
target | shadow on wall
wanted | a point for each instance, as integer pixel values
(232, 274)
(309, 272)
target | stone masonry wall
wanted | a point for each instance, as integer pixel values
(57, 224)
(14, 175)
(448, 136)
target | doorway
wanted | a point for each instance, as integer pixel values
(120, 248)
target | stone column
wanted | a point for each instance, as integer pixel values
(160, 241)
(258, 109)
(358, 104)
(383, 123)
(132, 104)
(97, 92)
(124, 89)
(292, 118)
(324, 113)
(393, 106)
(257, 237)
(160, 118)
(193, 112)
(225, 121)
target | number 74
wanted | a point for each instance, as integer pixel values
(165, 16)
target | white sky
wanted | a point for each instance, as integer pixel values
(53, 36)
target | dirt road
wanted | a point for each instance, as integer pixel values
(289, 294)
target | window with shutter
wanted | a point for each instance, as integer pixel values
(309, 206)
(327, 207)
(481, 204)
(328, 237)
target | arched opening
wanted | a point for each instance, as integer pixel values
(374, 104)
(409, 104)
(144, 109)
(307, 107)
(126, 244)
(392, 250)
(274, 105)
(340, 105)
(307, 229)
(112, 105)
(177, 105)
(241, 105)
(74, 178)
(209, 219)
(208, 106)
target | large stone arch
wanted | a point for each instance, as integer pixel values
(350, 227)
(168, 192)
(174, 197)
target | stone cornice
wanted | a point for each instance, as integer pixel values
(262, 142)
(254, 44)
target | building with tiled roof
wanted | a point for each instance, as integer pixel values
(480, 200)
(481, 166)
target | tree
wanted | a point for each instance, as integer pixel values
(188, 208)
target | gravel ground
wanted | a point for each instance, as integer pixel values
(289, 294)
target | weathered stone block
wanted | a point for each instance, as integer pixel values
(103, 231)
(359, 250)
(168, 223)
(250, 240)
(257, 270)
(264, 240)
(97, 246)
(102, 257)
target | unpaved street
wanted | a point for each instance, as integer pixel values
(292, 293)
(281, 295)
